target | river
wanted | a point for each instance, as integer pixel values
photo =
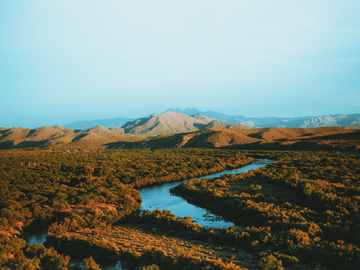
(159, 197)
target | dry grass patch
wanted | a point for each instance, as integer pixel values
(82, 210)
(134, 240)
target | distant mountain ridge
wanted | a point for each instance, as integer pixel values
(340, 120)
(87, 124)
(173, 122)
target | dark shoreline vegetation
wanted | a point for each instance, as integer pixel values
(300, 212)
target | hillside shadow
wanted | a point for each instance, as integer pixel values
(344, 136)
(79, 137)
(258, 135)
(125, 145)
(130, 125)
(26, 144)
(31, 144)
(200, 140)
(2, 132)
(6, 145)
(307, 135)
(157, 143)
(200, 126)
(31, 132)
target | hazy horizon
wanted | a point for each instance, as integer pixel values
(145, 116)
(69, 61)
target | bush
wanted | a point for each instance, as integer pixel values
(269, 262)
(150, 267)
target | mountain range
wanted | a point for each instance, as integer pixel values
(174, 130)
(156, 124)
(340, 120)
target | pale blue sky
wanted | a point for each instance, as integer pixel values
(63, 61)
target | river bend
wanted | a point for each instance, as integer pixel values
(159, 197)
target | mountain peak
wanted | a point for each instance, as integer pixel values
(171, 122)
(98, 129)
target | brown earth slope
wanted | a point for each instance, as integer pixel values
(172, 122)
(325, 138)
(328, 138)
(59, 137)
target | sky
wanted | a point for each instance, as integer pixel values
(65, 61)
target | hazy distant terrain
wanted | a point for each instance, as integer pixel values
(115, 122)
(339, 120)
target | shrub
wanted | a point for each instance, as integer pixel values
(269, 262)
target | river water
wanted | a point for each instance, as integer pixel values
(159, 197)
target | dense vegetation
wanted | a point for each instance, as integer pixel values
(303, 208)
(301, 211)
(85, 189)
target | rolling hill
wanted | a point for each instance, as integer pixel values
(328, 138)
(174, 130)
(59, 137)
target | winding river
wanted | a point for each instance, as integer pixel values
(159, 197)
